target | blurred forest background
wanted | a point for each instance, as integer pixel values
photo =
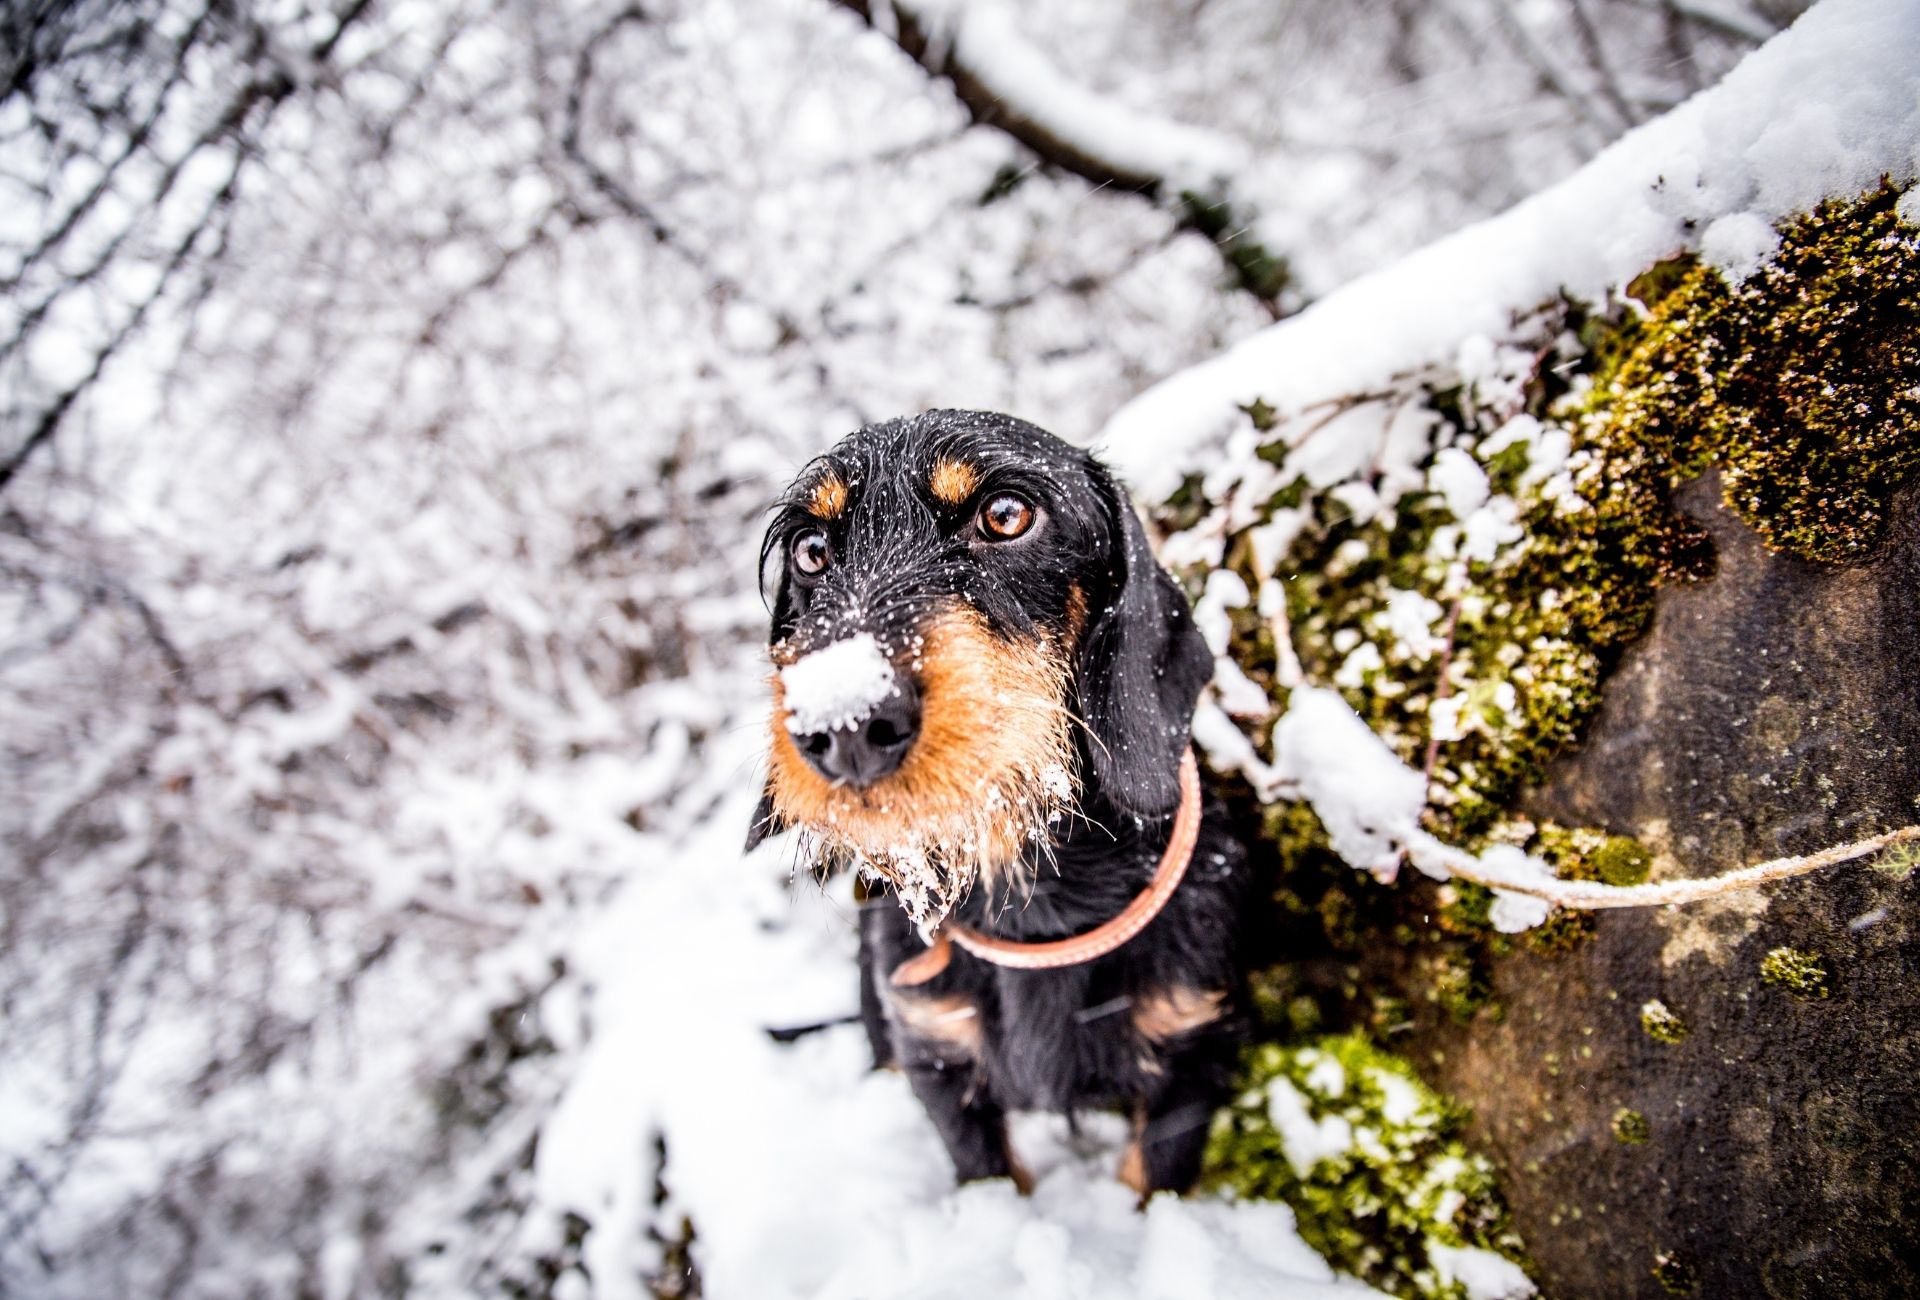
(390, 393)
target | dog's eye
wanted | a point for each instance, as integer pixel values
(1005, 517)
(810, 552)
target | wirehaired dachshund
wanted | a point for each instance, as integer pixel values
(983, 694)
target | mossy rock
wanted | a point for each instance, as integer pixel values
(1368, 1157)
(1774, 709)
(1802, 384)
(1711, 633)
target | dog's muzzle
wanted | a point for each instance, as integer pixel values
(859, 752)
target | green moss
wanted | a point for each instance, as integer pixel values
(1898, 862)
(1389, 1178)
(1459, 985)
(1662, 1024)
(1631, 1127)
(1564, 930)
(1802, 385)
(1674, 1274)
(1620, 861)
(1799, 973)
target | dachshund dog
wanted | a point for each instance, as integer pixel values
(983, 694)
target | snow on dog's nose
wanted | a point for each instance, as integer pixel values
(852, 717)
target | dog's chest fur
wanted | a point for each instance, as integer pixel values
(1095, 1034)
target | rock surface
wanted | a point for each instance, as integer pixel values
(1772, 710)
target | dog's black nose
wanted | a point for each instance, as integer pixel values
(871, 748)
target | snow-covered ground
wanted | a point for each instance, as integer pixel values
(806, 1174)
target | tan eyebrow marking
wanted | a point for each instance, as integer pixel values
(829, 498)
(953, 481)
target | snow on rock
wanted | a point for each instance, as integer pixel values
(1459, 480)
(838, 686)
(1825, 108)
(1411, 616)
(1738, 244)
(1368, 800)
(1238, 693)
(1370, 803)
(1512, 913)
(1307, 1140)
(1493, 526)
(804, 1172)
(1484, 1274)
(1225, 590)
(1227, 749)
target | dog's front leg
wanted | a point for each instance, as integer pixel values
(972, 1126)
(938, 1039)
(1171, 1127)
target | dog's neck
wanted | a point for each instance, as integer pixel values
(1096, 862)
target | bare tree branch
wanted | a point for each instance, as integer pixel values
(1188, 169)
(1588, 895)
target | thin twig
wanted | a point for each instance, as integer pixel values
(1441, 692)
(1588, 895)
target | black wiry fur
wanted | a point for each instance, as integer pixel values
(1066, 1039)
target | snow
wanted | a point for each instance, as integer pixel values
(1459, 480)
(1411, 616)
(1225, 590)
(836, 687)
(1738, 244)
(1227, 749)
(1485, 1275)
(1238, 693)
(1512, 913)
(1306, 1140)
(1325, 1075)
(1826, 108)
(1399, 1099)
(1141, 146)
(1368, 800)
(810, 1175)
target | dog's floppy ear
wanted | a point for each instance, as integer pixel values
(776, 594)
(1142, 666)
(766, 821)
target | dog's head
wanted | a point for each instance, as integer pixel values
(970, 638)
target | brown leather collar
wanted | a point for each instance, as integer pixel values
(1097, 942)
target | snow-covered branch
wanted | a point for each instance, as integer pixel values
(1841, 86)
(1007, 82)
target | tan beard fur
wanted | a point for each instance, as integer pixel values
(990, 771)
